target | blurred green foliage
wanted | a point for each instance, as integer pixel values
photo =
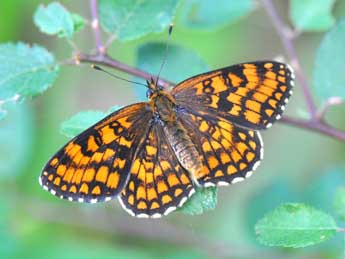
(331, 81)
(312, 15)
(208, 15)
(339, 203)
(33, 224)
(186, 61)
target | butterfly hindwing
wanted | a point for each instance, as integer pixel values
(229, 153)
(157, 184)
(94, 166)
(251, 95)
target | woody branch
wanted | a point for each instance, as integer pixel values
(315, 123)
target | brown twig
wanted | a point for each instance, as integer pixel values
(104, 59)
(317, 118)
(316, 126)
(95, 26)
(315, 123)
(291, 52)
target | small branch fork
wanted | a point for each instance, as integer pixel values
(315, 123)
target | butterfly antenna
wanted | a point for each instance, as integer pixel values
(113, 75)
(166, 52)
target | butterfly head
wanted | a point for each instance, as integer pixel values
(161, 101)
(153, 89)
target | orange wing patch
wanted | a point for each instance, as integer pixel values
(94, 166)
(230, 153)
(251, 95)
(157, 184)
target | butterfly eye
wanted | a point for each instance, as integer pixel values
(149, 93)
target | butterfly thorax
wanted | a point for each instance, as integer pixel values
(164, 107)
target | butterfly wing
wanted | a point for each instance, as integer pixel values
(251, 95)
(94, 166)
(157, 184)
(229, 153)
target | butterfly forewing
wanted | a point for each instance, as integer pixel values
(157, 184)
(251, 95)
(94, 166)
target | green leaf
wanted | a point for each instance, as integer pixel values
(339, 203)
(203, 199)
(181, 62)
(329, 67)
(132, 19)
(295, 225)
(312, 15)
(83, 120)
(205, 14)
(54, 19)
(25, 71)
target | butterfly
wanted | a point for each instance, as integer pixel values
(151, 155)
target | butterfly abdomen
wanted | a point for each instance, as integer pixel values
(184, 148)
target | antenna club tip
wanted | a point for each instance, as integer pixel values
(95, 67)
(171, 26)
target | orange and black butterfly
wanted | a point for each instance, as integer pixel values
(151, 155)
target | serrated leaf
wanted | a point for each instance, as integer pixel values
(312, 15)
(83, 120)
(132, 19)
(329, 66)
(207, 15)
(181, 63)
(203, 199)
(339, 203)
(25, 70)
(54, 19)
(295, 225)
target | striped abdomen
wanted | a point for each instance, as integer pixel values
(185, 150)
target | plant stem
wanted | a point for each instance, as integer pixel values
(317, 126)
(291, 52)
(316, 123)
(95, 26)
(110, 62)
